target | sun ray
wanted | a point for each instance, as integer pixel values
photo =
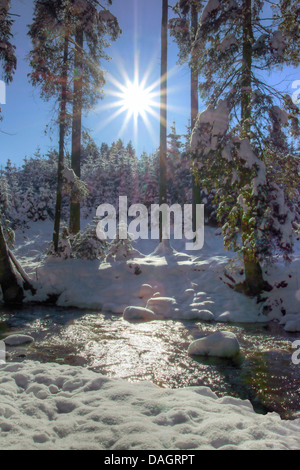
(109, 119)
(136, 98)
(125, 124)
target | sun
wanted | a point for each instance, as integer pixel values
(136, 99)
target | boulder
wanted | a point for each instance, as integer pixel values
(17, 340)
(138, 313)
(221, 344)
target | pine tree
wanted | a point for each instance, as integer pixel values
(69, 38)
(12, 289)
(245, 121)
(184, 30)
(173, 164)
(7, 49)
(5, 196)
(91, 27)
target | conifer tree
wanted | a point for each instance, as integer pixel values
(8, 60)
(245, 121)
(7, 49)
(12, 289)
(69, 38)
(184, 30)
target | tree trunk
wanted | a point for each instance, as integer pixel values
(254, 282)
(27, 285)
(196, 196)
(11, 289)
(247, 69)
(62, 133)
(163, 111)
(76, 128)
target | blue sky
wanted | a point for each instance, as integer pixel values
(26, 115)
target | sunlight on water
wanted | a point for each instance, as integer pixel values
(157, 351)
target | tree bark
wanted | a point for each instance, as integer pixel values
(27, 285)
(76, 128)
(196, 196)
(254, 282)
(163, 111)
(62, 133)
(10, 284)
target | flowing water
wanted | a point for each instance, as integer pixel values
(157, 351)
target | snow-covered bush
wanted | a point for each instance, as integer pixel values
(86, 245)
(64, 245)
(119, 249)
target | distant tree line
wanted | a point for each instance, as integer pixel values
(28, 192)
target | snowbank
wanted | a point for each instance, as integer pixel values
(49, 406)
(172, 284)
(195, 285)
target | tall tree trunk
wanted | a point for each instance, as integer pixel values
(62, 133)
(163, 111)
(247, 69)
(196, 196)
(11, 289)
(253, 272)
(76, 128)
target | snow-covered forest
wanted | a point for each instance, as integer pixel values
(27, 193)
(134, 341)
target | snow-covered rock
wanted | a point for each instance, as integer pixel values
(162, 306)
(220, 344)
(293, 326)
(17, 340)
(138, 313)
(146, 291)
(224, 317)
(204, 315)
(189, 293)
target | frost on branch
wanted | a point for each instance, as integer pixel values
(73, 185)
(106, 16)
(228, 43)
(277, 43)
(5, 5)
(211, 125)
(279, 115)
(211, 7)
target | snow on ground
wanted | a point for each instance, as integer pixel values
(50, 406)
(191, 284)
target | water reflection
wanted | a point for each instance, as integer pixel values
(157, 351)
